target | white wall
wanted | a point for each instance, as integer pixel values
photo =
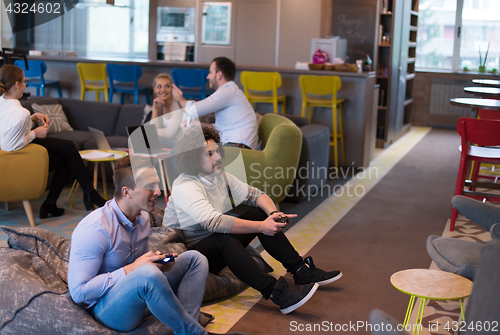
(298, 24)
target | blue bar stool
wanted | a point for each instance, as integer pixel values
(36, 68)
(126, 74)
(193, 80)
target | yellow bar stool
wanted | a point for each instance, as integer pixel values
(95, 73)
(263, 82)
(320, 86)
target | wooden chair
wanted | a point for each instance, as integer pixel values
(35, 71)
(323, 86)
(123, 75)
(478, 136)
(95, 73)
(191, 81)
(259, 82)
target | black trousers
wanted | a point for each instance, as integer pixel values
(229, 249)
(64, 160)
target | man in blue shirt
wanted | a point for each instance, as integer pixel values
(112, 272)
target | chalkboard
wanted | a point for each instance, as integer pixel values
(356, 22)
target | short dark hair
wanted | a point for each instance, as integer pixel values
(226, 66)
(124, 174)
(190, 148)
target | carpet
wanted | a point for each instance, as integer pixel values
(384, 232)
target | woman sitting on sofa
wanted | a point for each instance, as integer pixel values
(165, 114)
(15, 133)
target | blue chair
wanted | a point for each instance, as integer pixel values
(36, 69)
(192, 79)
(126, 74)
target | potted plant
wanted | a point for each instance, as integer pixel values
(482, 64)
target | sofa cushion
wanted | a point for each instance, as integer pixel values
(79, 137)
(34, 297)
(84, 114)
(25, 276)
(58, 120)
(51, 247)
(130, 115)
(40, 101)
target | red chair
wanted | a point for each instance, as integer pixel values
(484, 134)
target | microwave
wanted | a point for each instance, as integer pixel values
(175, 24)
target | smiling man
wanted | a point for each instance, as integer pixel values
(201, 197)
(112, 273)
(235, 118)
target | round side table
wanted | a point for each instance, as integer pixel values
(116, 156)
(429, 284)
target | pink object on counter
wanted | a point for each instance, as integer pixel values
(320, 57)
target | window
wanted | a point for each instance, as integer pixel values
(452, 34)
(120, 29)
(92, 28)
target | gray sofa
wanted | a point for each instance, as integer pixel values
(34, 290)
(111, 118)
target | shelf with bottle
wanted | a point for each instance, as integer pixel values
(385, 7)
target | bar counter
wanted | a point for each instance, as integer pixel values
(359, 109)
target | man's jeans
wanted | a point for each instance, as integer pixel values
(173, 297)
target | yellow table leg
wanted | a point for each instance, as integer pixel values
(74, 195)
(420, 314)
(96, 166)
(409, 310)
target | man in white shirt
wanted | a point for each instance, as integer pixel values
(234, 116)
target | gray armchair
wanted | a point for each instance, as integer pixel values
(459, 256)
(483, 305)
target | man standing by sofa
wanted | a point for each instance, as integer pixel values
(234, 116)
(112, 273)
(200, 197)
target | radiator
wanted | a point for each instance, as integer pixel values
(442, 91)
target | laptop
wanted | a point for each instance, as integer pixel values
(100, 139)
(144, 140)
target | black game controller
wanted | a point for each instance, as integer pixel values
(168, 258)
(282, 219)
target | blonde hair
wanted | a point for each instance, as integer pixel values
(162, 76)
(9, 76)
(165, 109)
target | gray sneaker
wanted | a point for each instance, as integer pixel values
(290, 297)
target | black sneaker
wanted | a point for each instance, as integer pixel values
(309, 273)
(290, 297)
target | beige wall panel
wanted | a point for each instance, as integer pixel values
(299, 22)
(176, 3)
(208, 52)
(256, 32)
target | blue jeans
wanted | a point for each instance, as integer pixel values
(173, 297)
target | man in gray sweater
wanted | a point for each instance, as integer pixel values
(200, 197)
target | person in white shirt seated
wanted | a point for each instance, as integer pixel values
(235, 118)
(16, 132)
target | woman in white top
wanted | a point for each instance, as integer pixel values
(15, 133)
(165, 113)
